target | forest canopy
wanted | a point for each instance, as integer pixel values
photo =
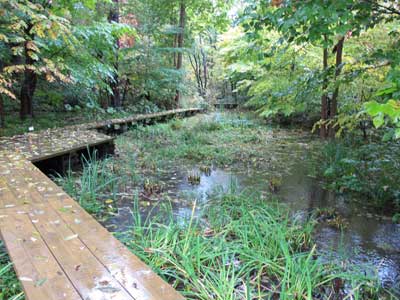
(334, 64)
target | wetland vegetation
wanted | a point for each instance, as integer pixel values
(237, 237)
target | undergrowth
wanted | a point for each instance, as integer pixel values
(368, 170)
(242, 247)
(10, 288)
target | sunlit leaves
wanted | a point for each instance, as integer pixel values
(27, 29)
(385, 113)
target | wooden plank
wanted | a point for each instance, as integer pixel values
(139, 117)
(50, 143)
(39, 272)
(89, 276)
(137, 278)
(11, 192)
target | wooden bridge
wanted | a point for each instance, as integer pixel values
(59, 251)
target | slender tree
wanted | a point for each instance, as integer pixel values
(180, 43)
(28, 86)
(114, 16)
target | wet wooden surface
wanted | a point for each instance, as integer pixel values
(59, 251)
(140, 117)
(42, 145)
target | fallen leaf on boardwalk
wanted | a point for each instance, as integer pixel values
(40, 282)
(39, 257)
(104, 282)
(71, 237)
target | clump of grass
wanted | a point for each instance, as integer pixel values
(241, 247)
(207, 125)
(176, 124)
(194, 178)
(207, 170)
(151, 187)
(10, 288)
(91, 188)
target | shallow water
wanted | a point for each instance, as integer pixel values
(367, 240)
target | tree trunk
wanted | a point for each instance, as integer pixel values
(2, 114)
(324, 97)
(175, 56)
(126, 88)
(28, 86)
(193, 62)
(334, 101)
(205, 69)
(181, 35)
(114, 84)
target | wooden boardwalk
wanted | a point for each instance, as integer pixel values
(50, 143)
(59, 251)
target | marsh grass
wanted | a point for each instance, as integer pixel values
(97, 183)
(241, 247)
(10, 287)
(222, 139)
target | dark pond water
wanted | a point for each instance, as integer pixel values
(367, 240)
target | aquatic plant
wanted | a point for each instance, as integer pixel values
(241, 247)
(96, 183)
(194, 178)
(206, 170)
(151, 187)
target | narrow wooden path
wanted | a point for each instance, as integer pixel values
(59, 251)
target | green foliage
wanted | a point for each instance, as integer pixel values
(370, 171)
(27, 29)
(385, 114)
(274, 58)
